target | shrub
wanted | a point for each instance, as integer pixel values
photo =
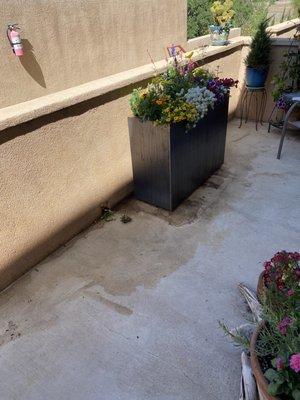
(260, 49)
(249, 13)
(199, 17)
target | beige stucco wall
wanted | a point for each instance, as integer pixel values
(56, 172)
(71, 42)
(58, 169)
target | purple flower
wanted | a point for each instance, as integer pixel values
(284, 324)
(295, 362)
(279, 364)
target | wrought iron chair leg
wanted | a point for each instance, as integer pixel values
(283, 132)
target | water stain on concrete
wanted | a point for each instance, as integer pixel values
(11, 333)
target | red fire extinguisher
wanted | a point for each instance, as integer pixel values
(15, 39)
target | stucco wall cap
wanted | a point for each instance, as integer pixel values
(283, 26)
(22, 112)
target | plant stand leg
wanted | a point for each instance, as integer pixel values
(256, 110)
(244, 97)
(248, 107)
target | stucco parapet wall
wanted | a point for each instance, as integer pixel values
(276, 41)
(284, 26)
(206, 39)
(22, 112)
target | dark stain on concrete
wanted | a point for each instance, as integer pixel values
(11, 333)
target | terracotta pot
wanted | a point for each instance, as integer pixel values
(262, 384)
(261, 288)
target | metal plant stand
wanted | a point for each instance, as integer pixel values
(260, 96)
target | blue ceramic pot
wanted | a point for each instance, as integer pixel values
(256, 77)
(219, 37)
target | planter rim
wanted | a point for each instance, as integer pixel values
(258, 68)
(256, 368)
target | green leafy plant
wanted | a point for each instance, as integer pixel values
(249, 13)
(296, 4)
(107, 214)
(259, 56)
(223, 13)
(288, 78)
(199, 17)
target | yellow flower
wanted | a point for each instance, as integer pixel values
(189, 55)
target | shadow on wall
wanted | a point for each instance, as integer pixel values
(30, 64)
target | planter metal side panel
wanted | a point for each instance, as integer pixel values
(197, 154)
(150, 153)
(170, 163)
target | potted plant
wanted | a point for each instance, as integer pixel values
(288, 78)
(259, 57)
(178, 132)
(222, 13)
(275, 344)
(278, 272)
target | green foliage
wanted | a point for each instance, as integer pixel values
(173, 82)
(248, 14)
(107, 214)
(296, 4)
(260, 48)
(288, 78)
(239, 338)
(199, 17)
(222, 12)
(144, 104)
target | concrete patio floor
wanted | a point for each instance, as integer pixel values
(130, 311)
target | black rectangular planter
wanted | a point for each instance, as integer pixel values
(170, 163)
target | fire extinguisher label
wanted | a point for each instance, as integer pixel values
(16, 40)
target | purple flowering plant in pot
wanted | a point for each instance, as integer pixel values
(275, 347)
(275, 342)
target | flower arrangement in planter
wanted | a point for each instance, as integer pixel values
(178, 134)
(277, 341)
(223, 14)
(280, 273)
(259, 57)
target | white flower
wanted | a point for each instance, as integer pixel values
(202, 98)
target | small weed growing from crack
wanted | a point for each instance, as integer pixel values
(125, 219)
(107, 214)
